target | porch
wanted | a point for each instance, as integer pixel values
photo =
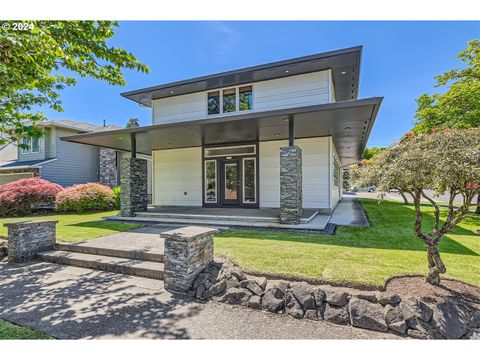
(266, 218)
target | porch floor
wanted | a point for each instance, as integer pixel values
(239, 213)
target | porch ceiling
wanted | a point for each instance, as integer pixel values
(348, 122)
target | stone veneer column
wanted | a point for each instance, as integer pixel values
(187, 252)
(108, 167)
(26, 239)
(133, 180)
(291, 199)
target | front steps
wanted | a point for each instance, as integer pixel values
(120, 261)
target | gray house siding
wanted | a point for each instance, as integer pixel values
(75, 164)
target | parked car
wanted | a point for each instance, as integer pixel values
(371, 188)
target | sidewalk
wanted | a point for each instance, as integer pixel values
(74, 303)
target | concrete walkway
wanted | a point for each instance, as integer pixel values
(349, 212)
(74, 303)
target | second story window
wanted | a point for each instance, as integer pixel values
(27, 142)
(230, 100)
(35, 145)
(32, 146)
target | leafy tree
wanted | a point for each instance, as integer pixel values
(459, 105)
(133, 123)
(368, 153)
(35, 65)
(447, 160)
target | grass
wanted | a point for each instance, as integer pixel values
(360, 256)
(77, 227)
(9, 331)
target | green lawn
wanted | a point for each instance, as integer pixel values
(357, 255)
(9, 331)
(77, 227)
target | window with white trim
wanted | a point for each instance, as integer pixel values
(28, 145)
(230, 100)
(36, 145)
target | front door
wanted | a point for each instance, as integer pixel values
(230, 182)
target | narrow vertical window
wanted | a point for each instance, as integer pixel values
(246, 97)
(229, 100)
(211, 181)
(36, 145)
(249, 172)
(28, 145)
(214, 103)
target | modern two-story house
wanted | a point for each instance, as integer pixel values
(61, 162)
(272, 136)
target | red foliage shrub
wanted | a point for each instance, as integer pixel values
(85, 197)
(20, 197)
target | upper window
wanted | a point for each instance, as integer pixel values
(33, 145)
(36, 145)
(28, 145)
(230, 100)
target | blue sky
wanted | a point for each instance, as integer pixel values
(400, 60)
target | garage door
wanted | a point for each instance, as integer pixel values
(6, 178)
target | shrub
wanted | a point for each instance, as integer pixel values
(117, 192)
(22, 196)
(85, 197)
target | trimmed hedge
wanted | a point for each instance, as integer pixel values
(85, 197)
(20, 197)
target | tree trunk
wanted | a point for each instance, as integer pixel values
(435, 265)
(477, 211)
(405, 200)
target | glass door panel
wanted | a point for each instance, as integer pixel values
(230, 183)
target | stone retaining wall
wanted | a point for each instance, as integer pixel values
(372, 310)
(26, 239)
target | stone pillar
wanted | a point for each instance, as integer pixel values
(133, 180)
(108, 167)
(28, 238)
(187, 252)
(291, 199)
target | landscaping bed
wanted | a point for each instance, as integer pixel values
(408, 306)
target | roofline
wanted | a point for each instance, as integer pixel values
(203, 121)
(36, 166)
(248, 69)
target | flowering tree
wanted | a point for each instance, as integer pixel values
(446, 161)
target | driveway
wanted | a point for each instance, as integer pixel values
(74, 303)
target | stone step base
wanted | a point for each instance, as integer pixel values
(146, 269)
(198, 218)
(111, 252)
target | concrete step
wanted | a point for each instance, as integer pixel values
(118, 251)
(146, 269)
(198, 218)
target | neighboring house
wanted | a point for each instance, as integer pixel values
(62, 162)
(8, 152)
(267, 136)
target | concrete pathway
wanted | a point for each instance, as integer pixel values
(349, 212)
(73, 303)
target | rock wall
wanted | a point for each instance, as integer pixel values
(26, 239)
(372, 310)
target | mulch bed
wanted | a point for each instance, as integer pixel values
(466, 296)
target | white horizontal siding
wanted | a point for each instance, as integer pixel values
(176, 172)
(269, 163)
(292, 91)
(180, 108)
(315, 180)
(315, 174)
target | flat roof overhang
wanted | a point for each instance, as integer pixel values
(344, 63)
(348, 122)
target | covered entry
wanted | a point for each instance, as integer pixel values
(230, 176)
